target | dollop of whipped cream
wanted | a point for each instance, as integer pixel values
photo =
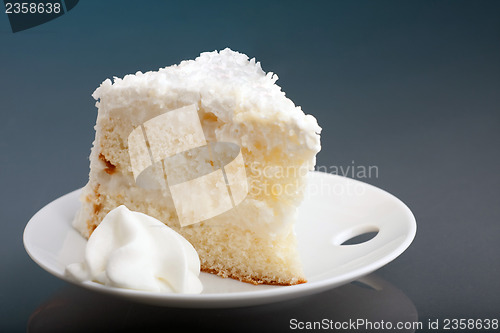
(136, 251)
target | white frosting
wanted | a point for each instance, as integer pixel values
(228, 84)
(136, 251)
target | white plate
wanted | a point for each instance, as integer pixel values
(334, 210)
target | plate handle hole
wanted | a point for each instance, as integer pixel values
(356, 236)
(360, 238)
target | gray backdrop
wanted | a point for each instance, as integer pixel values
(411, 87)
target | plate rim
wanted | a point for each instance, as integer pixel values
(238, 298)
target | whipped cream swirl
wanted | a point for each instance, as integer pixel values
(135, 251)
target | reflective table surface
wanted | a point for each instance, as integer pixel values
(365, 303)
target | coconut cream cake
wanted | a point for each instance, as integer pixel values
(249, 143)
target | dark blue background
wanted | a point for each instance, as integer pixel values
(412, 87)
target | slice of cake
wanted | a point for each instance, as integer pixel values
(249, 143)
